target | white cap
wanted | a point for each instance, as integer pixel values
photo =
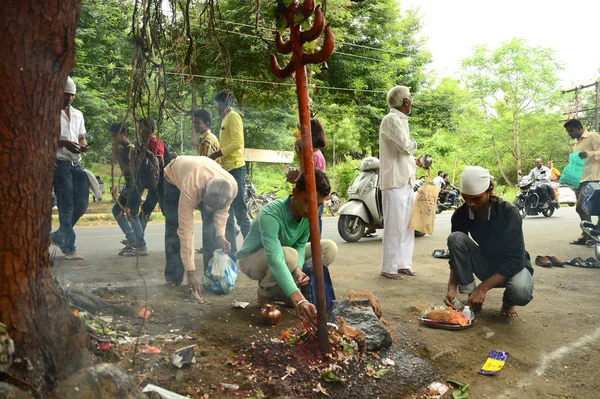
(396, 96)
(70, 86)
(475, 180)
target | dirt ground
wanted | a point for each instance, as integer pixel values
(553, 345)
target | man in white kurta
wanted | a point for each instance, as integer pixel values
(397, 169)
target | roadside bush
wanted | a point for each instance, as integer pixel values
(345, 172)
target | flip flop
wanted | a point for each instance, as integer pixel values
(370, 235)
(408, 272)
(72, 257)
(579, 241)
(441, 254)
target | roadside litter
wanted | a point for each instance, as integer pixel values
(463, 391)
(494, 363)
(164, 393)
(184, 356)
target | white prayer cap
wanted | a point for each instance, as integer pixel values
(475, 180)
(70, 86)
(396, 96)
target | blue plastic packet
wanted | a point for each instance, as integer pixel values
(494, 363)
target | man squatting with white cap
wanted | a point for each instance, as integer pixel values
(495, 254)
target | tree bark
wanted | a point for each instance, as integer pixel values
(517, 138)
(506, 179)
(37, 49)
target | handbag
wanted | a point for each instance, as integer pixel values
(310, 290)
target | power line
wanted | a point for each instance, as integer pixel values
(333, 88)
(341, 43)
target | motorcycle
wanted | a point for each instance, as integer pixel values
(364, 209)
(255, 203)
(591, 205)
(444, 204)
(529, 201)
(333, 203)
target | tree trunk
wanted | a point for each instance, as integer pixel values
(194, 133)
(37, 50)
(517, 139)
(506, 179)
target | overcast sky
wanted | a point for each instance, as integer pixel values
(569, 27)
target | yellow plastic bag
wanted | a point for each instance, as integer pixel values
(423, 214)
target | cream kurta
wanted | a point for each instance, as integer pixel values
(190, 174)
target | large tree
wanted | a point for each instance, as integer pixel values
(513, 82)
(37, 49)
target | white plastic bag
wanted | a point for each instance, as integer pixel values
(220, 261)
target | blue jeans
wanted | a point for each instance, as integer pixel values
(238, 210)
(452, 197)
(320, 222)
(71, 188)
(154, 196)
(130, 197)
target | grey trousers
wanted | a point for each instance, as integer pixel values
(467, 260)
(255, 266)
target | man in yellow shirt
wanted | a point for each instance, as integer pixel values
(231, 157)
(588, 147)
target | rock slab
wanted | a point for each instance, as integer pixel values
(103, 381)
(364, 319)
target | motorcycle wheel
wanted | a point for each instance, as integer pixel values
(597, 250)
(351, 228)
(519, 203)
(459, 202)
(548, 211)
(438, 209)
(253, 208)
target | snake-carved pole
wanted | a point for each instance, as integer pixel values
(297, 65)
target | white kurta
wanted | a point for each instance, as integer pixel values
(398, 239)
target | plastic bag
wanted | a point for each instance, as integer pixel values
(423, 213)
(571, 175)
(310, 290)
(221, 273)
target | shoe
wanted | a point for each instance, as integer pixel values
(199, 251)
(543, 261)
(555, 261)
(545, 206)
(580, 241)
(135, 252)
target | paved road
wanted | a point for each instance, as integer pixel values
(553, 346)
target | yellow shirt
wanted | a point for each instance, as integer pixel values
(208, 144)
(590, 143)
(189, 174)
(232, 141)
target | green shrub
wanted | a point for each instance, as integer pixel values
(345, 172)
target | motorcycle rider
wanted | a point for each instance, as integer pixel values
(450, 187)
(541, 175)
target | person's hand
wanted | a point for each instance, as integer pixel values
(307, 312)
(120, 215)
(300, 278)
(292, 175)
(194, 283)
(72, 146)
(476, 299)
(450, 297)
(583, 155)
(127, 212)
(84, 148)
(224, 244)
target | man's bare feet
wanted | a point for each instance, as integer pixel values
(392, 276)
(408, 272)
(510, 311)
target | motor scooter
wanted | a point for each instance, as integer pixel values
(364, 209)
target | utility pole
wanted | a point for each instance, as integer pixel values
(591, 122)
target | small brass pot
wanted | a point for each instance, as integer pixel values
(271, 314)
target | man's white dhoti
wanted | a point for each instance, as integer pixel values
(398, 239)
